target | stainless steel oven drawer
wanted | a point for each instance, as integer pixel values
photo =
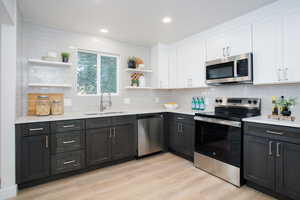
(220, 169)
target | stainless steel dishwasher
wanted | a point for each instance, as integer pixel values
(150, 134)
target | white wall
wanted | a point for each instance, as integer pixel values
(7, 109)
(38, 40)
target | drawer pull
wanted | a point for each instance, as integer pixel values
(274, 132)
(69, 162)
(69, 142)
(69, 126)
(36, 129)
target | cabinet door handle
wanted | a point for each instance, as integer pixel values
(285, 73)
(114, 132)
(47, 142)
(278, 149)
(69, 162)
(270, 148)
(69, 142)
(69, 126)
(180, 118)
(110, 133)
(274, 132)
(279, 74)
(36, 129)
(181, 129)
(228, 51)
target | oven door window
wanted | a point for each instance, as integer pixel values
(242, 68)
(221, 142)
(220, 71)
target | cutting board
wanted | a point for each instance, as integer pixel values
(32, 98)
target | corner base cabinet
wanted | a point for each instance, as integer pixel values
(271, 158)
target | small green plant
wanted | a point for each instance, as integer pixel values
(65, 55)
(287, 103)
(131, 59)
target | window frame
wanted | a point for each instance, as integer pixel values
(98, 66)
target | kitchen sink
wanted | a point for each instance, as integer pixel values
(105, 113)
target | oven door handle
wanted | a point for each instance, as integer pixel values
(219, 121)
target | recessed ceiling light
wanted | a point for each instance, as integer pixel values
(167, 20)
(103, 30)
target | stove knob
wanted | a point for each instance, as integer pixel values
(221, 101)
(249, 101)
(217, 101)
(255, 102)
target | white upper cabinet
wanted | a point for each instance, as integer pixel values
(291, 46)
(229, 43)
(267, 51)
(160, 64)
(239, 41)
(190, 66)
(275, 49)
(215, 47)
(173, 67)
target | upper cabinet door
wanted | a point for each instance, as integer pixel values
(163, 66)
(229, 43)
(173, 67)
(291, 46)
(238, 41)
(191, 63)
(267, 51)
(215, 47)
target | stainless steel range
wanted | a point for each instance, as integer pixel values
(218, 139)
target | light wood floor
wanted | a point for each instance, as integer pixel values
(161, 177)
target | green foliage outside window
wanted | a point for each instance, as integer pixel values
(87, 73)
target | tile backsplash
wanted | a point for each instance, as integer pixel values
(265, 92)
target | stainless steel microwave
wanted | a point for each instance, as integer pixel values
(235, 69)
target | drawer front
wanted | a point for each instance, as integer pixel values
(70, 125)
(182, 118)
(283, 133)
(39, 128)
(67, 162)
(98, 122)
(123, 119)
(65, 142)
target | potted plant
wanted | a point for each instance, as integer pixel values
(131, 62)
(286, 105)
(65, 57)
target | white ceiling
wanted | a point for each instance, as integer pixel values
(136, 21)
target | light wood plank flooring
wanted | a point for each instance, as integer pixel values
(160, 177)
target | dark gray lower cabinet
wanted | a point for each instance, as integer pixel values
(98, 146)
(259, 161)
(181, 135)
(271, 158)
(34, 158)
(288, 165)
(110, 143)
(123, 141)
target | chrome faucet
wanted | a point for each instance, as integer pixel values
(109, 102)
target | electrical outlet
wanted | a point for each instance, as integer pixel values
(126, 101)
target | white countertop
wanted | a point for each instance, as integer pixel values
(266, 120)
(82, 115)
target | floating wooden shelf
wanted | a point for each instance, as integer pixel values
(52, 63)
